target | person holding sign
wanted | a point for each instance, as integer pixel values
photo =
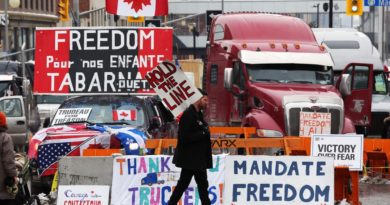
(193, 151)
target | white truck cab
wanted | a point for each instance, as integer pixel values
(347, 45)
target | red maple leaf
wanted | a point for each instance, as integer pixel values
(137, 4)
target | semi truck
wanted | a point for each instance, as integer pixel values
(268, 71)
(349, 45)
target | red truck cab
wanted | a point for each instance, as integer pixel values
(268, 71)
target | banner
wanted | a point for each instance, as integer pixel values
(71, 115)
(294, 180)
(173, 87)
(98, 60)
(346, 150)
(151, 180)
(83, 194)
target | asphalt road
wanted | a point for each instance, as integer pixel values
(374, 194)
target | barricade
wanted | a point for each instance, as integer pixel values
(376, 157)
(346, 182)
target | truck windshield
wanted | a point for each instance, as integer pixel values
(107, 110)
(290, 73)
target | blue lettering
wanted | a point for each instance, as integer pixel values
(302, 193)
(288, 188)
(214, 198)
(320, 167)
(280, 168)
(263, 192)
(307, 164)
(130, 167)
(164, 200)
(237, 166)
(293, 168)
(324, 193)
(276, 192)
(251, 191)
(236, 192)
(266, 169)
(255, 167)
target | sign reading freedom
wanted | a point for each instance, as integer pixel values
(98, 60)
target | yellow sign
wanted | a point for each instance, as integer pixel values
(54, 184)
(354, 7)
(139, 19)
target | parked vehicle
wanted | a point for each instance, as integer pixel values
(48, 105)
(349, 45)
(267, 71)
(18, 102)
(77, 117)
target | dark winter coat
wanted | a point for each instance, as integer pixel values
(7, 162)
(193, 150)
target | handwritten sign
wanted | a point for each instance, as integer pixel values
(174, 88)
(83, 194)
(98, 60)
(346, 150)
(263, 180)
(314, 123)
(151, 180)
(71, 115)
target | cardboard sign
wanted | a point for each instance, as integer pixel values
(314, 123)
(346, 150)
(151, 180)
(98, 60)
(83, 194)
(71, 115)
(294, 180)
(173, 87)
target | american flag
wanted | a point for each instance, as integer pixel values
(63, 144)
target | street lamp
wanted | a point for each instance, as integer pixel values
(318, 14)
(195, 33)
(13, 4)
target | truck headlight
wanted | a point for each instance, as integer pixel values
(268, 133)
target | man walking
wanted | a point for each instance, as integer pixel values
(193, 151)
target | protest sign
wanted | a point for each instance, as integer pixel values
(346, 150)
(98, 60)
(314, 123)
(173, 87)
(71, 115)
(83, 194)
(294, 180)
(151, 180)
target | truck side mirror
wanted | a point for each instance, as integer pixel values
(345, 85)
(228, 78)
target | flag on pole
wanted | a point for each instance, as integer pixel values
(137, 7)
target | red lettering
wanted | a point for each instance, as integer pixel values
(170, 107)
(154, 77)
(185, 89)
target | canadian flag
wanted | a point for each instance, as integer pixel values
(124, 115)
(137, 7)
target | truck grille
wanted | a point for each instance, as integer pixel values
(294, 113)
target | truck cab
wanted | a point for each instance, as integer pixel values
(348, 45)
(267, 71)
